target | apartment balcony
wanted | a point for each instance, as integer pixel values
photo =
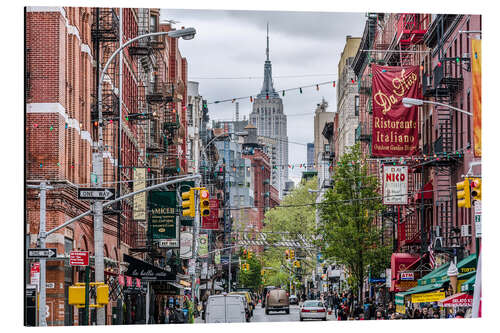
(160, 92)
(448, 72)
(110, 105)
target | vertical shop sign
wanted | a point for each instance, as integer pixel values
(395, 185)
(211, 222)
(395, 127)
(476, 95)
(139, 199)
(163, 224)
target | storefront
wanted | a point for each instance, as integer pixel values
(154, 291)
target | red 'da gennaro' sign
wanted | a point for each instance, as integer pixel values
(79, 258)
(395, 127)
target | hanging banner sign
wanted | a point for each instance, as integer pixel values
(476, 94)
(211, 221)
(139, 212)
(395, 127)
(163, 223)
(129, 281)
(203, 245)
(395, 185)
(137, 283)
(186, 245)
(217, 258)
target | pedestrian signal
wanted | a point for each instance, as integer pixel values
(204, 202)
(188, 207)
(475, 189)
(463, 194)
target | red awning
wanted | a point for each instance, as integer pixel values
(412, 266)
(428, 192)
(400, 262)
(457, 300)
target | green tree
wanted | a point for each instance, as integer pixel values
(294, 216)
(348, 232)
(251, 278)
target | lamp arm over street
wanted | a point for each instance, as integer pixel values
(409, 102)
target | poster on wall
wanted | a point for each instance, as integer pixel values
(395, 185)
(186, 245)
(395, 127)
(476, 95)
(163, 224)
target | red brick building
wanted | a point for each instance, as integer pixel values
(64, 47)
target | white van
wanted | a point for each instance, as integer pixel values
(225, 309)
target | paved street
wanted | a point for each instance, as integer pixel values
(259, 316)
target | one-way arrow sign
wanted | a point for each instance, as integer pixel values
(96, 193)
(41, 253)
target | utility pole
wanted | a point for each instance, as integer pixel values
(42, 311)
(196, 224)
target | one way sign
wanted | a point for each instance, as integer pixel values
(96, 193)
(41, 253)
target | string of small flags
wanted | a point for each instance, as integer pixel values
(282, 92)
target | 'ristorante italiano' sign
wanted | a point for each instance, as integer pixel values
(395, 127)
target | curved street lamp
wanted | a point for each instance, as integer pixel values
(98, 165)
(409, 102)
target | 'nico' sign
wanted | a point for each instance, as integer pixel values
(395, 185)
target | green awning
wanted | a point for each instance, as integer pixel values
(466, 268)
(469, 284)
(436, 276)
(424, 289)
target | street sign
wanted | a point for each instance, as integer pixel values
(96, 193)
(168, 243)
(79, 258)
(41, 253)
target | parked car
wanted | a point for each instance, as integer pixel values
(248, 302)
(225, 309)
(277, 300)
(293, 299)
(312, 310)
(264, 294)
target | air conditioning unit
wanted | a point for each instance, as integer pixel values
(465, 230)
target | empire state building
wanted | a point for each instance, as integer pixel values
(267, 115)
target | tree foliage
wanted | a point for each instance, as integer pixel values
(294, 216)
(251, 278)
(348, 230)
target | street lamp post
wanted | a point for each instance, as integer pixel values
(97, 158)
(409, 102)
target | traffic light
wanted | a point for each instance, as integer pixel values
(244, 253)
(475, 189)
(296, 263)
(292, 254)
(287, 254)
(204, 202)
(188, 207)
(249, 255)
(463, 194)
(245, 267)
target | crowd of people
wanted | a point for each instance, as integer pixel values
(345, 307)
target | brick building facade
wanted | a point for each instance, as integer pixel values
(64, 48)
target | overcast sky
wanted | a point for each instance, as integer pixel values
(232, 44)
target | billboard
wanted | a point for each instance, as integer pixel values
(139, 212)
(163, 224)
(394, 127)
(476, 95)
(395, 185)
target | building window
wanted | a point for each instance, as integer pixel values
(356, 105)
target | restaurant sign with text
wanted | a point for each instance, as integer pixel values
(395, 127)
(163, 224)
(395, 185)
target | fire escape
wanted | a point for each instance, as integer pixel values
(411, 29)
(442, 86)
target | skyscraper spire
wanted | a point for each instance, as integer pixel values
(267, 90)
(267, 48)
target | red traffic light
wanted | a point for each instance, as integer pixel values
(204, 194)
